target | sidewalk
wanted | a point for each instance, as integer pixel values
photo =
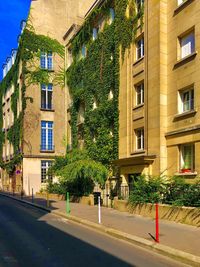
(174, 235)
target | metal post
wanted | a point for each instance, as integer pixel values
(32, 196)
(67, 204)
(47, 199)
(99, 209)
(157, 224)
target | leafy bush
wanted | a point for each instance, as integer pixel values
(174, 191)
(147, 189)
(56, 188)
(78, 173)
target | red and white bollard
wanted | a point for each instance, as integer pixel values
(99, 209)
(157, 223)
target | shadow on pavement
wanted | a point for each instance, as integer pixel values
(33, 237)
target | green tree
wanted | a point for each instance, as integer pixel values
(78, 173)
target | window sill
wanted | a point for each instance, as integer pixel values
(138, 60)
(138, 106)
(138, 152)
(182, 6)
(185, 60)
(47, 151)
(49, 70)
(185, 174)
(185, 114)
(50, 110)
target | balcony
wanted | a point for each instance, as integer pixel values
(47, 148)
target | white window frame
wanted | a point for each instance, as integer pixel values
(47, 141)
(110, 95)
(47, 88)
(182, 102)
(139, 90)
(186, 168)
(112, 15)
(69, 57)
(187, 44)
(139, 139)
(180, 2)
(139, 5)
(45, 165)
(139, 45)
(94, 33)
(46, 56)
(83, 51)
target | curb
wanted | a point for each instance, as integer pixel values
(161, 249)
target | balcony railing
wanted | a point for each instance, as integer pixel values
(47, 148)
(124, 191)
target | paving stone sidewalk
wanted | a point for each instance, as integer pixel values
(179, 236)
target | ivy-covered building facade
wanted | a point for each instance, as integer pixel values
(132, 81)
(122, 82)
(32, 96)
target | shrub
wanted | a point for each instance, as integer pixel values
(147, 189)
(78, 173)
(174, 191)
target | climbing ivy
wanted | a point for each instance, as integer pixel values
(93, 77)
(28, 55)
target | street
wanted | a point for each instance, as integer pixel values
(31, 237)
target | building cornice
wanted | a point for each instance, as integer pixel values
(185, 130)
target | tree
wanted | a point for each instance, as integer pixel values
(78, 173)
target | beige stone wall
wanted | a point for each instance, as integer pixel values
(184, 75)
(54, 17)
(34, 115)
(185, 215)
(152, 69)
(163, 24)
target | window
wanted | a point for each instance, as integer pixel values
(70, 57)
(139, 93)
(181, 2)
(95, 33)
(46, 96)
(139, 133)
(47, 136)
(46, 60)
(83, 51)
(187, 45)
(186, 100)
(140, 48)
(139, 5)
(95, 104)
(8, 118)
(187, 158)
(110, 95)
(112, 15)
(45, 165)
(98, 27)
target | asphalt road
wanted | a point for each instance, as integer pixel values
(31, 237)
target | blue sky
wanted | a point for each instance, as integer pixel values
(12, 12)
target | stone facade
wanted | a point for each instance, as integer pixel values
(169, 115)
(50, 18)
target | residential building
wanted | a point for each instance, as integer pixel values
(158, 102)
(158, 91)
(129, 99)
(34, 109)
